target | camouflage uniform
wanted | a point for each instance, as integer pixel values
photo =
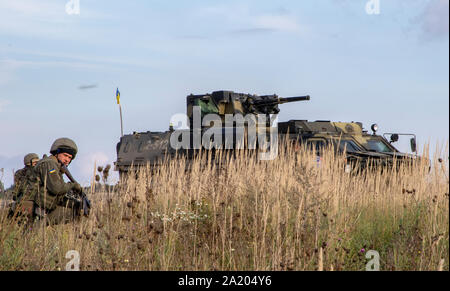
(50, 192)
(22, 192)
(20, 182)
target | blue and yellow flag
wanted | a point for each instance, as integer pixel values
(118, 96)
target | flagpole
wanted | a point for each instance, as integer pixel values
(121, 121)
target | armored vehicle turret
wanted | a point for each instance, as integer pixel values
(228, 102)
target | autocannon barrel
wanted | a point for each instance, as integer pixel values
(293, 99)
(269, 104)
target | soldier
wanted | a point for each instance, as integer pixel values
(22, 196)
(52, 189)
(20, 176)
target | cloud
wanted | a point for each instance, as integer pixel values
(245, 20)
(277, 22)
(47, 19)
(30, 8)
(434, 20)
(22, 17)
(41, 64)
(38, 59)
(252, 31)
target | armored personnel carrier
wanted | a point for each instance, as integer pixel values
(349, 137)
(220, 120)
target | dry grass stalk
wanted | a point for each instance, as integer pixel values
(245, 214)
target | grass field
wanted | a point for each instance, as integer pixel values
(244, 214)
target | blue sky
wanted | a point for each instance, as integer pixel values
(390, 68)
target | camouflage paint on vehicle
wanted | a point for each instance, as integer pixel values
(345, 137)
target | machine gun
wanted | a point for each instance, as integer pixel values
(85, 203)
(269, 104)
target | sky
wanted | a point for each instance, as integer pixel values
(60, 65)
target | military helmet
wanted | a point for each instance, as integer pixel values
(28, 159)
(64, 145)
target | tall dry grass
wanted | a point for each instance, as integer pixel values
(245, 214)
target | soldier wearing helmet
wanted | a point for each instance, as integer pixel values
(22, 196)
(49, 197)
(29, 161)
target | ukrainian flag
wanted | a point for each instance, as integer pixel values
(118, 96)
